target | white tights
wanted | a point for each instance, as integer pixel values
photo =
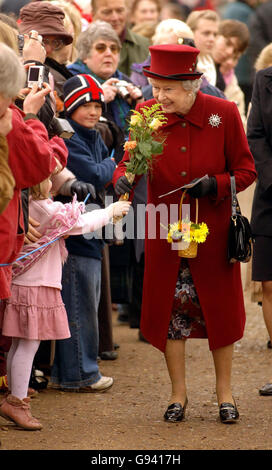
(19, 364)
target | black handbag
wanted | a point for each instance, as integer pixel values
(240, 235)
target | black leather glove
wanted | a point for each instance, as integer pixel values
(203, 188)
(82, 189)
(122, 186)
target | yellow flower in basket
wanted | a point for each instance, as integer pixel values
(185, 237)
(187, 231)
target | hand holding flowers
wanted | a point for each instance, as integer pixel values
(144, 144)
(145, 141)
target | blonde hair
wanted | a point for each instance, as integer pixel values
(172, 25)
(195, 16)
(146, 29)
(264, 59)
(72, 17)
(40, 190)
(9, 36)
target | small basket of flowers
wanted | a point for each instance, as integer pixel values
(186, 235)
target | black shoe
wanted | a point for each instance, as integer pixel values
(228, 413)
(266, 390)
(175, 412)
(269, 344)
(108, 355)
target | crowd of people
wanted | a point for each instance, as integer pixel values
(72, 73)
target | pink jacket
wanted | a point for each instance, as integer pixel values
(44, 267)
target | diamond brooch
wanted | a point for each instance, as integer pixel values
(214, 120)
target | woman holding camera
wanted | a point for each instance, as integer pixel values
(98, 54)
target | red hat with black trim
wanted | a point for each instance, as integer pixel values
(173, 62)
(81, 89)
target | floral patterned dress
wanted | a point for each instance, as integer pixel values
(187, 319)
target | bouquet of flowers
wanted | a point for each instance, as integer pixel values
(144, 144)
(145, 141)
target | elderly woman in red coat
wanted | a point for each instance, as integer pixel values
(200, 297)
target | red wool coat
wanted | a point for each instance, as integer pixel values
(197, 145)
(31, 160)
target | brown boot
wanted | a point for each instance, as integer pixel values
(18, 411)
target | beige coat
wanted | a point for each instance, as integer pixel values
(7, 182)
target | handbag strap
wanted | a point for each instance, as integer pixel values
(234, 200)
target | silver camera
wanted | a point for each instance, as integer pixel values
(122, 89)
(35, 76)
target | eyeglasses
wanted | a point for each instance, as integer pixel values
(56, 44)
(102, 47)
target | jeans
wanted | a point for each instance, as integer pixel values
(75, 363)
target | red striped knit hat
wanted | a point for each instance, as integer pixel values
(81, 89)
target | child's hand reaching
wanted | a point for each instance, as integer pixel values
(118, 208)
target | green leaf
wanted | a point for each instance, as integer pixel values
(145, 148)
(156, 148)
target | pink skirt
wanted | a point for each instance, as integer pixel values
(35, 313)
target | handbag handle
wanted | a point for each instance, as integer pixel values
(180, 207)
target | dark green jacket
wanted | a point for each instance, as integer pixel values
(135, 48)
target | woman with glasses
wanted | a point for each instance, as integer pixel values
(98, 54)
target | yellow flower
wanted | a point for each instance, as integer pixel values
(187, 231)
(200, 233)
(174, 227)
(203, 227)
(199, 237)
(155, 124)
(130, 145)
(135, 120)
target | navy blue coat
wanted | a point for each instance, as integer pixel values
(89, 161)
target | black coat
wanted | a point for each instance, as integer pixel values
(260, 30)
(259, 134)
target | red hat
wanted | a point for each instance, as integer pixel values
(173, 62)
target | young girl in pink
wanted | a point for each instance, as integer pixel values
(35, 310)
